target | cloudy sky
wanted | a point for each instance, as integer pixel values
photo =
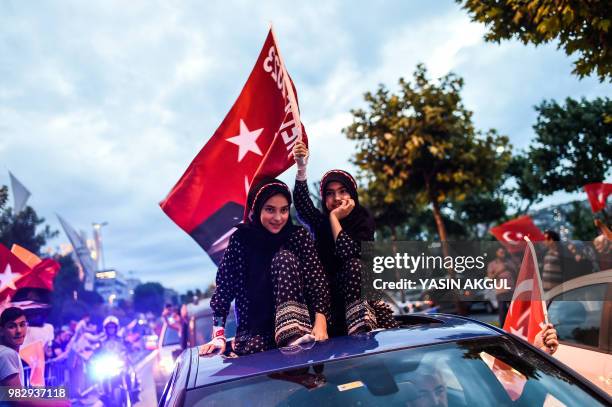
(103, 104)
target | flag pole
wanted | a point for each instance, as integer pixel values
(290, 94)
(539, 279)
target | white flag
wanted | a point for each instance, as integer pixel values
(82, 253)
(20, 194)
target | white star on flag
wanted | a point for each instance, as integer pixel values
(246, 141)
(7, 278)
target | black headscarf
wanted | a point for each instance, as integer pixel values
(260, 247)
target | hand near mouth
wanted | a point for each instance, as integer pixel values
(344, 209)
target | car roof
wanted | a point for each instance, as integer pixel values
(416, 330)
(600, 277)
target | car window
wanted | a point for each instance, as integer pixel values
(203, 328)
(576, 314)
(171, 337)
(483, 372)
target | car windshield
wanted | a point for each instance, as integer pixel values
(171, 337)
(484, 372)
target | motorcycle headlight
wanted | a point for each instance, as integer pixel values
(107, 366)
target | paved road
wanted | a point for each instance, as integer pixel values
(144, 370)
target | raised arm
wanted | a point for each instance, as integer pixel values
(304, 206)
(306, 210)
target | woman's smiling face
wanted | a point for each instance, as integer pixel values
(275, 213)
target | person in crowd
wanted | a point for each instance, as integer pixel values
(423, 387)
(13, 328)
(60, 342)
(503, 268)
(172, 317)
(552, 274)
(582, 264)
(603, 229)
(272, 270)
(110, 339)
(603, 249)
(339, 229)
(82, 326)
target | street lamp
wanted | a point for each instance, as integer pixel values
(98, 237)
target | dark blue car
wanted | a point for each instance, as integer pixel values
(434, 360)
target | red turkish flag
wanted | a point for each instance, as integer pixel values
(255, 139)
(34, 355)
(527, 312)
(15, 274)
(511, 234)
(11, 270)
(598, 193)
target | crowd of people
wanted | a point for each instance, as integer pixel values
(559, 262)
(66, 349)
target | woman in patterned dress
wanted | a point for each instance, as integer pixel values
(339, 229)
(272, 271)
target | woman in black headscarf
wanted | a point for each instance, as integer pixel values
(272, 270)
(339, 229)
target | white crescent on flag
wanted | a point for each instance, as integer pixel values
(519, 237)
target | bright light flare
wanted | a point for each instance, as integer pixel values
(107, 366)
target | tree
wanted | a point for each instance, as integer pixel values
(581, 219)
(69, 300)
(21, 229)
(581, 27)
(3, 196)
(389, 216)
(478, 212)
(419, 147)
(149, 297)
(524, 191)
(573, 146)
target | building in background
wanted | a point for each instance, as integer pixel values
(132, 283)
(112, 286)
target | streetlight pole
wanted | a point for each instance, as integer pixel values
(98, 232)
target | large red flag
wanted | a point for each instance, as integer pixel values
(527, 312)
(598, 193)
(512, 233)
(255, 139)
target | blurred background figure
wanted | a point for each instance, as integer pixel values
(551, 268)
(503, 268)
(603, 249)
(172, 317)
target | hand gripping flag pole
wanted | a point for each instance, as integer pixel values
(538, 277)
